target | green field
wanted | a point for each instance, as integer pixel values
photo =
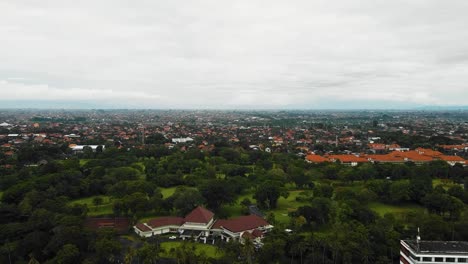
(397, 210)
(445, 183)
(166, 192)
(104, 209)
(210, 250)
(281, 212)
(83, 162)
(286, 206)
(236, 208)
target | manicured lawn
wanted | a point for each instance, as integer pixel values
(83, 162)
(444, 182)
(281, 212)
(397, 210)
(166, 192)
(286, 206)
(236, 208)
(210, 250)
(104, 209)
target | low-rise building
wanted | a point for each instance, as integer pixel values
(428, 252)
(201, 224)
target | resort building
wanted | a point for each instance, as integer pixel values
(200, 224)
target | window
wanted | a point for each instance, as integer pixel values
(414, 257)
(427, 259)
(449, 259)
(439, 259)
(461, 260)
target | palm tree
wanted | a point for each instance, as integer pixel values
(248, 249)
(129, 256)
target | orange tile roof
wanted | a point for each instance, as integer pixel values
(386, 158)
(316, 158)
(348, 158)
(429, 152)
(451, 158)
(376, 146)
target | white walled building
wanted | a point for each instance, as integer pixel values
(433, 252)
(201, 224)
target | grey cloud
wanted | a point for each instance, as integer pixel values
(243, 53)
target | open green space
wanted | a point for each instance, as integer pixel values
(170, 248)
(166, 192)
(235, 209)
(397, 210)
(84, 161)
(287, 205)
(105, 208)
(445, 183)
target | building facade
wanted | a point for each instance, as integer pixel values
(436, 252)
(201, 224)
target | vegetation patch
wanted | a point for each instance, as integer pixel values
(83, 162)
(97, 205)
(166, 192)
(397, 210)
(210, 251)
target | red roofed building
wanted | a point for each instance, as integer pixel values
(199, 215)
(386, 158)
(452, 160)
(200, 224)
(236, 227)
(428, 152)
(377, 146)
(350, 160)
(455, 147)
(158, 226)
(197, 223)
(417, 157)
(315, 158)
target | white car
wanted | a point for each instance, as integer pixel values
(172, 237)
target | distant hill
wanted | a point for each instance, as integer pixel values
(442, 108)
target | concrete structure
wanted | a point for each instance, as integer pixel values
(427, 252)
(182, 140)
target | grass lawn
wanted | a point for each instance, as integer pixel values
(104, 209)
(210, 250)
(236, 209)
(287, 205)
(281, 212)
(166, 192)
(444, 182)
(397, 210)
(83, 162)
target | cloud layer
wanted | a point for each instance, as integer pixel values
(236, 54)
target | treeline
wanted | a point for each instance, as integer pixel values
(334, 224)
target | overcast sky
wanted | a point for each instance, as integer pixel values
(233, 54)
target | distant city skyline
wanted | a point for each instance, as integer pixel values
(244, 54)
